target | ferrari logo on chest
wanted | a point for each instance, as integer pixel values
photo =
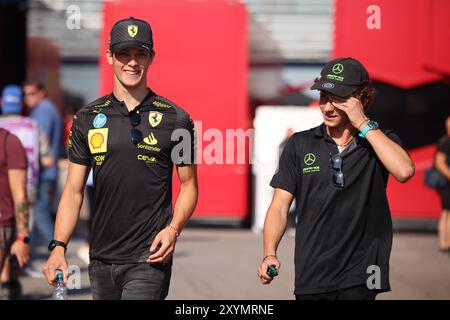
(154, 118)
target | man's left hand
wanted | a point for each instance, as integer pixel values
(164, 244)
(22, 251)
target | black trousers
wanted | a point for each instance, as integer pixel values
(353, 293)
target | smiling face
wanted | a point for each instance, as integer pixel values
(332, 116)
(130, 66)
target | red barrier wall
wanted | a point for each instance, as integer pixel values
(414, 199)
(409, 49)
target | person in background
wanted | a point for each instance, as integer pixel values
(14, 217)
(49, 121)
(442, 164)
(38, 154)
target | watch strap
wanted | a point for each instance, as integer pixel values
(369, 126)
(364, 131)
(24, 239)
(56, 243)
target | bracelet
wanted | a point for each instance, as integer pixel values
(174, 229)
(270, 255)
(367, 119)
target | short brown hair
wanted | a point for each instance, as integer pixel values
(35, 83)
(366, 94)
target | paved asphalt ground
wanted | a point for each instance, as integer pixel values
(221, 264)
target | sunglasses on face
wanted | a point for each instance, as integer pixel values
(135, 120)
(336, 165)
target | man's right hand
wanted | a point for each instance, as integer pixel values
(262, 270)
(57, 260)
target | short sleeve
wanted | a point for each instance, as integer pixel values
(184, 136)
(16, 157)
(444, 145)
(287, 173)
(77, 147)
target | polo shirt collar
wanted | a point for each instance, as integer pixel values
(120, 105)
(320, 132)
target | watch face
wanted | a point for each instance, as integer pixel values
(372, 125)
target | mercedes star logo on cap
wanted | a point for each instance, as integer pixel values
(338, 68)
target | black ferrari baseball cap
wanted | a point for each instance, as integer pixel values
(342, 77)
(131, 32)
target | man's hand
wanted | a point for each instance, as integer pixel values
(57, 260)
(262, 270)
(354, 109)
(166, 240)
(22, 251)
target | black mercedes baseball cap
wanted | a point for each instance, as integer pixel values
(131, 32)
(342, 77)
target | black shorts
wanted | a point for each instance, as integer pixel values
(445, 197)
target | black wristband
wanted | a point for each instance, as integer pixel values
(55, 243)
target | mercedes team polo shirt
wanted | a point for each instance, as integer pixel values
(343, 236)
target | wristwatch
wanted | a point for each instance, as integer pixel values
(55, 243)
(24, 239)
(371, 125)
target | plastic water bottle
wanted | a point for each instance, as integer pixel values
(60, 291)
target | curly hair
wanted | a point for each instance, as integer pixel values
(366, 94)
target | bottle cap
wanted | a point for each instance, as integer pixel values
(59, 274)
(272, 271)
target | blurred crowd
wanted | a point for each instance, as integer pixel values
(28, 114)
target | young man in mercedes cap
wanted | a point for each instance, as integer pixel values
(126, 137)
(338, 174)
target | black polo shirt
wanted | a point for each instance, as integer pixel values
(340, 232)
(132, 184)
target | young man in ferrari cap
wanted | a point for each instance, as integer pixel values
(338, 174)
(128, 138)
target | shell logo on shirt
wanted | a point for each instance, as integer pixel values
(98, 140)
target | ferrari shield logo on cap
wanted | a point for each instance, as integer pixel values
(155, 117)
(132, 30)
